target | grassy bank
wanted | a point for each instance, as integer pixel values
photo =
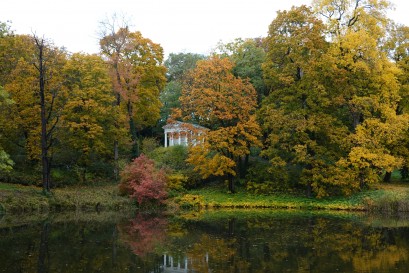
(384, 198)
(387, 198)
(19, 199)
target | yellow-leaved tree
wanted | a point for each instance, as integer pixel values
(89, 114)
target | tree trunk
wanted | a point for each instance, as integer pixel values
(116, 142)
(44, 146)
(404, 172)
(231, 183)
(356, 119)
(133, 132)
(387, 177)
(309, 190)
(362, 183)
(116, 163)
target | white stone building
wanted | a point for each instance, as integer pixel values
(182, 133)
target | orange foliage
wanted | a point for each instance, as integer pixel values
(213, 97)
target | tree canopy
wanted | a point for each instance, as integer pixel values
(214, 98)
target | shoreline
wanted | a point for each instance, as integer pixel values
(16, 199)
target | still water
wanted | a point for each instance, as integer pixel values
(216, 241)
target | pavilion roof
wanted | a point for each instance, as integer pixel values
(178, 125)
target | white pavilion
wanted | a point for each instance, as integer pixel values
(182, 133)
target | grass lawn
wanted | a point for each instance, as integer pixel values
(389, 197)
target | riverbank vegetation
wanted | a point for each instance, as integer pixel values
(16, 199)
(314, 115)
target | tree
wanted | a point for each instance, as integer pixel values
(35, 84)
(213, 97)
(137, 74)
(6, 163)
(89, 114)
(47, 59)
(334, 94)
(248, 56)
(396, 47)
(353, 15)
(296, 116)
(367, 88)
(178, 66)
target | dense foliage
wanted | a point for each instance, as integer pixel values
(319, 105)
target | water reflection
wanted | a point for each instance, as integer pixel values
(144, 233)
(211, 242)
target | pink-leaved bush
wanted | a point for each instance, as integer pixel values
(143, 182)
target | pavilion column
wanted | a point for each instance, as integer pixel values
(166, 138)
(179, 138)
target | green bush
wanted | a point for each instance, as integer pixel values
(149, 144)
(263, 178)
(171, 157)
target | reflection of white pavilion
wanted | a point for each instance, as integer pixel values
(171, 265)
(181, 133)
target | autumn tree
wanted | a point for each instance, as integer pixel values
(89, 114)
(295, 117)
(214, 98)
(138, 76)
(334, 95)
(35, 84)
(367, 88)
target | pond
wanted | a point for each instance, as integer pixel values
(213, 241)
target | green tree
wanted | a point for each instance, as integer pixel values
(178, 66)
(248, 56)
(6, 163)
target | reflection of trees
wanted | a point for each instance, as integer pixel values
(43, 254)
(212, 251)
(257, 245)
(144, 233)
(307, 244)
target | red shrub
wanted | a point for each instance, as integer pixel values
(143, 182)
